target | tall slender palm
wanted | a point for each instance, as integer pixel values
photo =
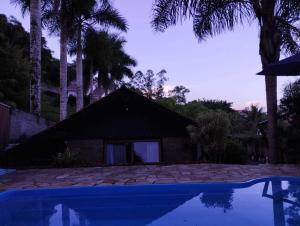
(34, 6)
(58, 18)
(277, 20)
(88, 14)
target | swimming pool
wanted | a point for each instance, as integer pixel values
(263, 202)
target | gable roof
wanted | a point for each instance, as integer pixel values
(124, 114)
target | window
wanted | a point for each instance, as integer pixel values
(128, 152)
(116, 154)
(146, 151)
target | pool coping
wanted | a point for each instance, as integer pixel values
(227, 184)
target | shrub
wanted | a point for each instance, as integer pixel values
(66, 159)
(211, 131)
(289, 130)
(235, 153)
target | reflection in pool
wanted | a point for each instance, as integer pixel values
(273, 201)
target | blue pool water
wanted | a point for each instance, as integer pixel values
(263, 202)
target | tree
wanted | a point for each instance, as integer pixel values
(14, 63)
(15, 70)
(34, 6)
(105, 55)
(217, 105)
(58, 17)
(87, 15)
(277, 20)
(211, 132)
(149, 84)
(178, 94)
(253, 115)
(289, 104)
(290, 125)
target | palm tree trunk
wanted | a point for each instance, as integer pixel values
(79, 79)
(270, 52)
(271, 96)
(63, 72)
(91, 82)
(35, 56)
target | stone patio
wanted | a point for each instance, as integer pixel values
(149, 174)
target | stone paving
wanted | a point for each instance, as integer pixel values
(147, 174)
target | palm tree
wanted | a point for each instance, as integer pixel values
(253, 115)
(104, 55)
(34, 6)
(118, 63)
(88, 14)
(58, 17)
(276, 19)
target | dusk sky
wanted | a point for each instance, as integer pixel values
(223, 67)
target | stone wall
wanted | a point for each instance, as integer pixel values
(176, 149)
(24, 125)
(89, 151)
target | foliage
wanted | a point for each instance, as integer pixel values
(66, 159)
(290, 127)
(14, 63)
(235, 153)
(105, 55)
(190, 109)
(289, 103)
(250, 117)
(15, 67)
(179, 94)
(211, 131)
(149, 84)
(211, 18)
(217, 105)
(193, 108)
(278, 21)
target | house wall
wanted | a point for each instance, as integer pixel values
(176, 149)
(89, 151)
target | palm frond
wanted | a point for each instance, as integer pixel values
(23, 4)
(107, 15)
(209, 17)
(213, 17)
(169, 12)
(290, 36)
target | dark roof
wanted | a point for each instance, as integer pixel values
(124, 114)
(287, 67)
(121, 115)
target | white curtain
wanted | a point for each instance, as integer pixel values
(115, 154)
(147, 151)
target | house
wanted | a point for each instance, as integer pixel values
(17, 125)
(121, 128)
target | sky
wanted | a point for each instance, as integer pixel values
(222, 67)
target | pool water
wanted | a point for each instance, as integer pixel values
(263, 202)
